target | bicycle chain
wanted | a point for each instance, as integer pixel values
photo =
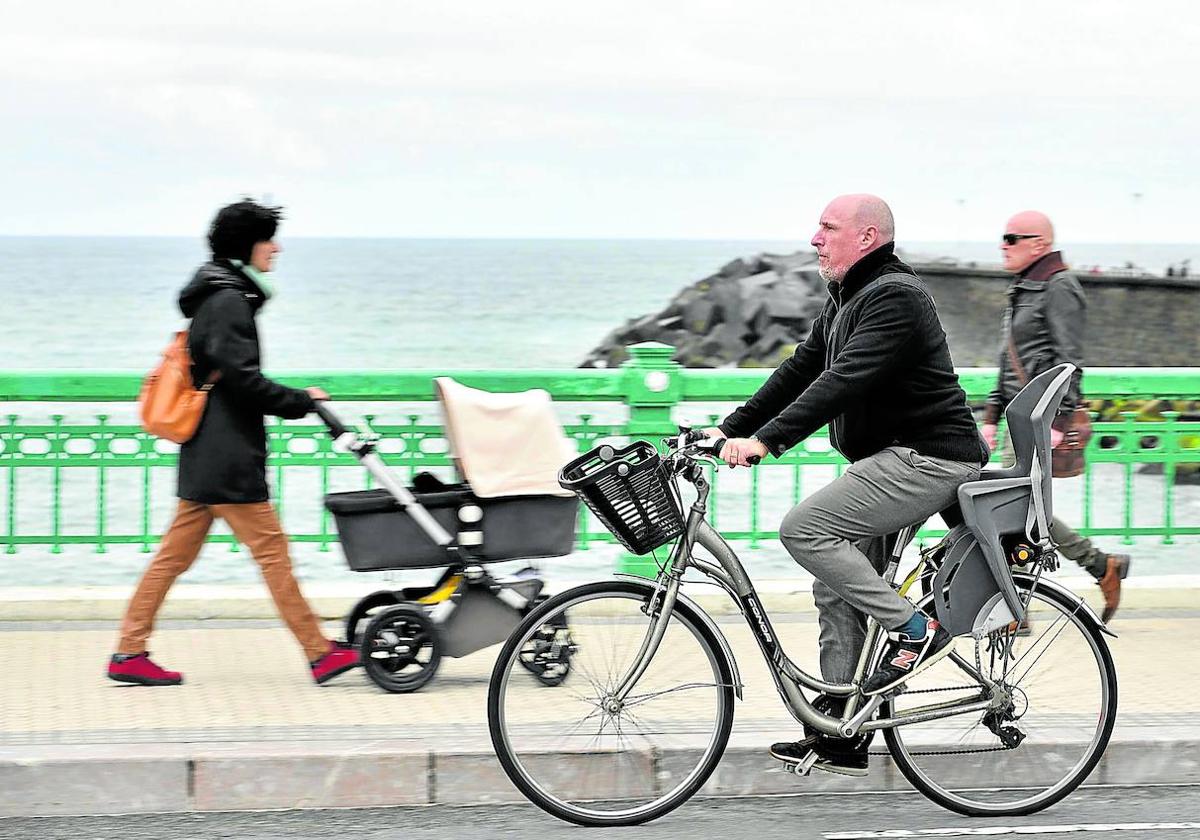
(964, 752)
(1000, 748)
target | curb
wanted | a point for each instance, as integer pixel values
(102, 779)
(197, 602)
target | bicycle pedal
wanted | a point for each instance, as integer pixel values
(802, 767)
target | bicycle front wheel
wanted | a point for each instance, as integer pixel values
(584, 755)
(1059, 688)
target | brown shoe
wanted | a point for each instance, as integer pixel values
(1110, 585)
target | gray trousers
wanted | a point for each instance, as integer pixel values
(1071, 544)
(828, 532)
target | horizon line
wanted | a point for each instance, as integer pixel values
(451, 238)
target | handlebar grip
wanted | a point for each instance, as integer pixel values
(336, 429)
(754, 460)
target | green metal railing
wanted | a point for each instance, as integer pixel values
(636, 400)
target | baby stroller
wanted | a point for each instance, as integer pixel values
(508, 449)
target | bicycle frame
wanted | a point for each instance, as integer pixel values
(731, 576)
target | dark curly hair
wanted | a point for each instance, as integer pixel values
(237, 228)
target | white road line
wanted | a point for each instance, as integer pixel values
(1000, 830)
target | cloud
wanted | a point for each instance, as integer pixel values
(662, 119)
(228, 117)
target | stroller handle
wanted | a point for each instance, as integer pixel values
(336, 428)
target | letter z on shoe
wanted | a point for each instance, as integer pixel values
(905, 657)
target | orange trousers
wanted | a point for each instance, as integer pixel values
(255, 526)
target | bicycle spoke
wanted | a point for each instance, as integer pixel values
(643, 698)
(1039, 656)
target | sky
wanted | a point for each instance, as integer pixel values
(618, 119)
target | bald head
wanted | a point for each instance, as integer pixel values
(1032, 237)
(851, 227)
(1031, 221)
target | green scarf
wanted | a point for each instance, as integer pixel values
(265, 280)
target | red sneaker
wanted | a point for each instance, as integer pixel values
(141, 670)
(339, 660)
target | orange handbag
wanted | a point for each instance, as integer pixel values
(169, 403)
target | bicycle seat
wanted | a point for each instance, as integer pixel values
(975, 577)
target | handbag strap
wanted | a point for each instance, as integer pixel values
(213, 376)
(1013, 358)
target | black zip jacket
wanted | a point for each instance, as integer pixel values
(884, 379)
(226, 461)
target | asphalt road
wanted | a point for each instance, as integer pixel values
(1169, 813)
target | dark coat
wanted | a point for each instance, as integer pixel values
(1046, 316)
(226, 461)
(883, 377)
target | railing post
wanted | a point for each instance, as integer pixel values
(58, 451)
(1170, 445)
(583, 442)
(652, 387)
(1131, 443)
(12, 448)
(102, 453)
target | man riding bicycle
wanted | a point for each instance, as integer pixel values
(876, 368)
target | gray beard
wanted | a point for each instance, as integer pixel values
(830, 274)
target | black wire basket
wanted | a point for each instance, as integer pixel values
(630, 491)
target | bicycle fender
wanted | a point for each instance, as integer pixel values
(709, 624)
(1070, 596)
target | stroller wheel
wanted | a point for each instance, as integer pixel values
(400, 649)
(547, 655)
(364, 608)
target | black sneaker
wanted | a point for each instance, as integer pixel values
(905, 657)
(846, 756)
(850, 761)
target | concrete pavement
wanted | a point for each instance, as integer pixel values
(249, 730)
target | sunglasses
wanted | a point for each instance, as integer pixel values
(1014, 238)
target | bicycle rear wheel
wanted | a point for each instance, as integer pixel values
(1060, 686)
(581, 755)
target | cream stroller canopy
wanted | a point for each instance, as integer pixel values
(505, 444)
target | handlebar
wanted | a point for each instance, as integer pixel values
(698, 441)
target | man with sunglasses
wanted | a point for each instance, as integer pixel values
(1043, 326)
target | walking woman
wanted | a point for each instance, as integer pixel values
(223, 467)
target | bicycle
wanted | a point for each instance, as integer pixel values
(647, 713)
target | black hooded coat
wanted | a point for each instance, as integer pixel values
(226, 461)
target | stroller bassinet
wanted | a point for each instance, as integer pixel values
(377, 534)
(509, 448)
